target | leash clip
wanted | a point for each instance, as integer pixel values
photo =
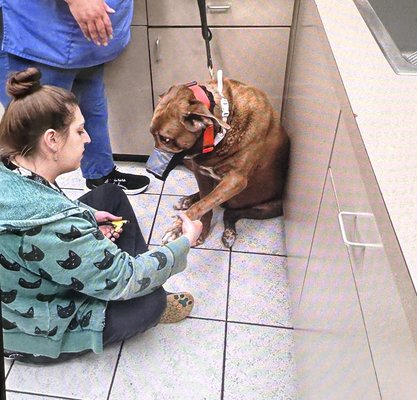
(225, 107)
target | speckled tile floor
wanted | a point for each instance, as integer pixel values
(237, 344)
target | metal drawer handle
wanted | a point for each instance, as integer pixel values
(158, 50)
(223, 8)
(342, 229)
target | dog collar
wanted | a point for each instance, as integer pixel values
(209, 141)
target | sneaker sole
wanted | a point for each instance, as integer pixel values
(130, 192)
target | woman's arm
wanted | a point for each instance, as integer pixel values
(77, 255)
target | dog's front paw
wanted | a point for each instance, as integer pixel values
(174, 232)
(229, 237)
(184, 203)
(202, 238)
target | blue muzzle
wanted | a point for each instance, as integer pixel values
(161, 163)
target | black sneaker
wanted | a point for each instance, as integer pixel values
(131, 184)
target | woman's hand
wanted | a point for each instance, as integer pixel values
(92, 17)
(191, 229)
(108, 230)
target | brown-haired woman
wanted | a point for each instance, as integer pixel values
(66, 288)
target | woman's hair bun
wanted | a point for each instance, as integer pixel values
(22, 83)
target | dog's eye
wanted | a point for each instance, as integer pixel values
(164, 139)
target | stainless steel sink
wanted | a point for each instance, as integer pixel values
(393, 24)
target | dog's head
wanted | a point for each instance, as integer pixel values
(179, 120)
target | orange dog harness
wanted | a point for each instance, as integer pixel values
(208, 135)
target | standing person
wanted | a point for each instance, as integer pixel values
(4, 64)
(69, 42)
(69, 285)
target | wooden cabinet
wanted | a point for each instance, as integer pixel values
(384, 290)
(139, 15)
(129, 95)
(129, 91)
(221, 12)
(250, 43)
(331, 346)
(354, 304)
(178, 56)
(310, 116)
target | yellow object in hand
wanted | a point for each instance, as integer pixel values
(117, 225)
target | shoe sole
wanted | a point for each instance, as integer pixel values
(179, 307)
(130, 192)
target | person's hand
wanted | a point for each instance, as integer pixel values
(191, 229)
(108, 230)
(92, 17)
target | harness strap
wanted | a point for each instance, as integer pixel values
(224, 105)
(209, 141)
(200, 95)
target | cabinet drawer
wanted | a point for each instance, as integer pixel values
(139, 14)
(331, 348)
(178, 55)
(383, 287)
(221, 12)
(129, 93)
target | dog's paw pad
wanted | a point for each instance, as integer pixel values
(200, 241)
(169, 237)
(229, 237)
(184, 203)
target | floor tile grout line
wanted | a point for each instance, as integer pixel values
(197, 248)
(155, 216)
(44, 395)
(261, 325)
(115, 369)
(225, 327)
(176, 194)
(8, 372)
(233, 251)
(280, 326)
(258, 253)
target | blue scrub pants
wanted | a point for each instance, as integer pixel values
(4, 66)
(88, 85)
(4, 70)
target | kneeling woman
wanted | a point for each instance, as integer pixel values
(69, 284)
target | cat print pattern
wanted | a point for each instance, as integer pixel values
(66, 312)
(8, 297)
(73, 234)
(106, 262)
(35, 255)
(9, 265)
(73, 261)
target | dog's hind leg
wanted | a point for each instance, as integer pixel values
(269, 209)
(184, 203)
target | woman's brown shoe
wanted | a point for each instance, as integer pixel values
(179, 306)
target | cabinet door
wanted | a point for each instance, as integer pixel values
(310, 115)
(332, 353)
(384, 288)
(255, 56)
(221, 12)
(139, 14)
(129, 93)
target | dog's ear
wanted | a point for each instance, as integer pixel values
(195, 121)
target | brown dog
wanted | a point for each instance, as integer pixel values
(246, 170)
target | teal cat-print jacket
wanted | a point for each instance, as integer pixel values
(58, 271)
